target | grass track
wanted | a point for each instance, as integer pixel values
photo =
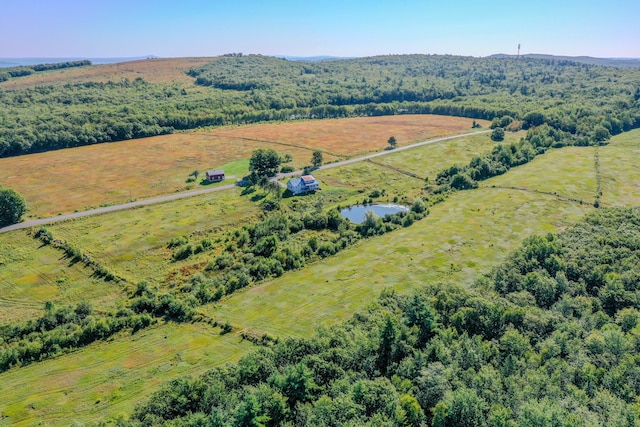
(107, 379)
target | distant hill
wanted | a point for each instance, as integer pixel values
(607, 62)
(312, 58)
(17, 62)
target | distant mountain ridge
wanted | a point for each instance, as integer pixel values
(608, 62)
(17, 62)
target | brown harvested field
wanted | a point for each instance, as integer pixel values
(355, 136)
(159, 70)
(75, 179)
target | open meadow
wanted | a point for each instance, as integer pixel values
(157, 70)
(619, 170)
(32, 274)
(463, 236)
(105, 380)
(133, 243)
(568, 172)
(427, 161)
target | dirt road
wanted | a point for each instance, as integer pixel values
(154, 200)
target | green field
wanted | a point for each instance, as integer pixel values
(31, 274)
(105, 380)
(568, 172)
(133, 243)
(467, 234)
(620, 171)
(428, 160)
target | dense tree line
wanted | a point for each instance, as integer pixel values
(548, 338)
(570, 97)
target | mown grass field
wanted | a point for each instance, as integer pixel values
(133, 243)
(105, 380)
(467, 234)
(428, 160)
(31, 274)
(75, 179)
(620, 170)
(464, 236)
(568, 172)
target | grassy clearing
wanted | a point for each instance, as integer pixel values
(160, 70)
(357, 180)
(106, 380)
(133, 243)
(467, 234)
(428, 160)
(568, 172)
(620, 170)
(31, 274)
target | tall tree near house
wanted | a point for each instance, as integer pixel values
(264, 162)
(316, 159)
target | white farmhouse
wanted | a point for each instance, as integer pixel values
(304, 184)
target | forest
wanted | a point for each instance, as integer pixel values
(548, 338)
(574, 98)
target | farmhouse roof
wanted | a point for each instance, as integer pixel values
(307, 178)
(215, 172)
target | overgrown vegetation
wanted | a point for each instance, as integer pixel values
(63, 329)
(550, 337)
(283, 240)
(503, 157)
(581, 99)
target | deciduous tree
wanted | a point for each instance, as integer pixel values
(12, 207)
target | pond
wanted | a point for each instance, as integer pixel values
(356, 213)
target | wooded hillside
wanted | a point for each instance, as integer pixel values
(572, 97)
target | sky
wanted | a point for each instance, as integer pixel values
(346, 28)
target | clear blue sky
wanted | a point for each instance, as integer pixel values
(119, 28)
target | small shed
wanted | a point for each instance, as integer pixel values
(215, 175)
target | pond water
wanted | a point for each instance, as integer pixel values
(356, 213)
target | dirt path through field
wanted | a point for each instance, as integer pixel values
(154, 200)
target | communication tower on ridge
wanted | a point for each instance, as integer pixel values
(518, 50)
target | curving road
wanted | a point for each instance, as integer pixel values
(160, 199)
